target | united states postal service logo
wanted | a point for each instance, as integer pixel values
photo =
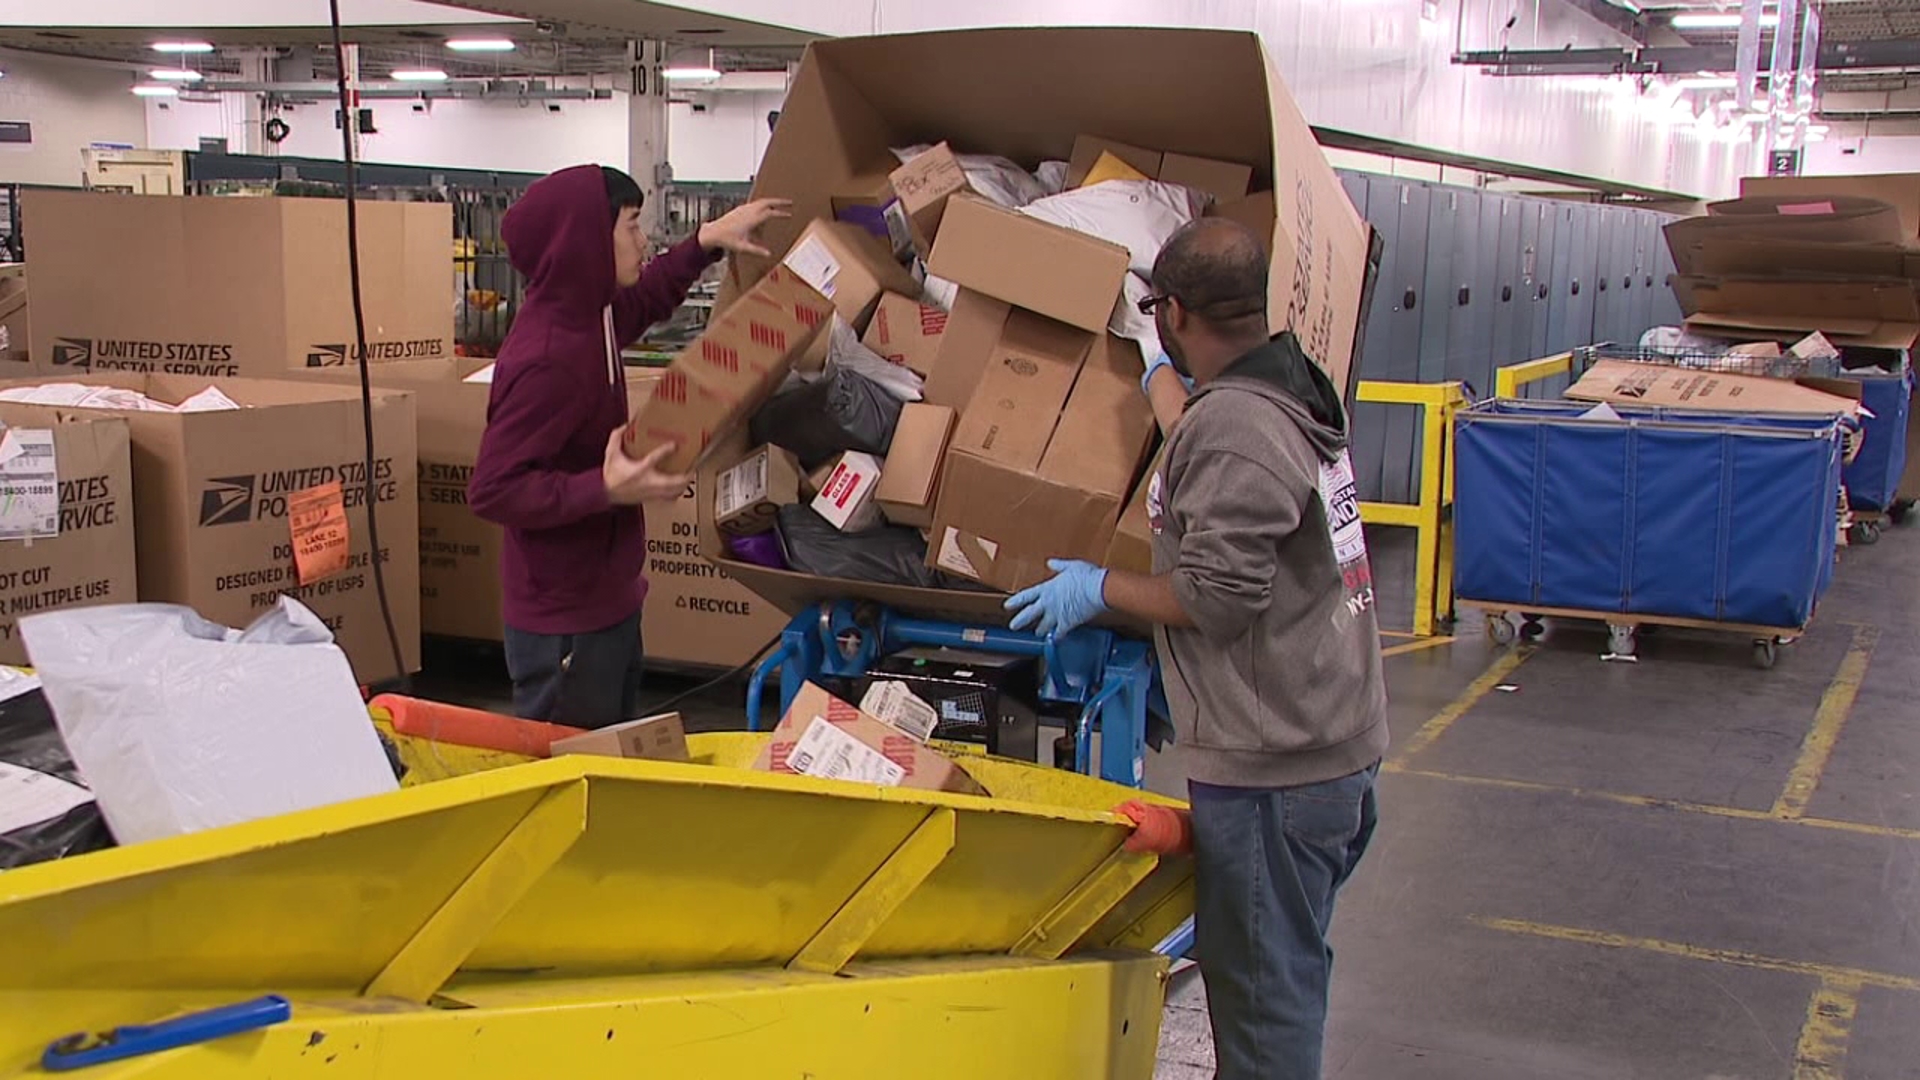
(73, 352)
(227, 500)
(327, 356)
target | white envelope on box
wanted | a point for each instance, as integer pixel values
(179, 724)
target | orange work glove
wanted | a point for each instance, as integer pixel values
(1157, 830)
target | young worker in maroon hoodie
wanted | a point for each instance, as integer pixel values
(551, 469)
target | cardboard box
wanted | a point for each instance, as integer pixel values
(1088, 148)
(848, 266)
(869, 203)
(924, 186)
(973, 328)
(1256, 212)
(846, 500)
(13, 319)
(913, 763)
(998, 521)
(696, 614)
(230, 286)
(730, 370)
(752, 492)
(1880, 312)
(853, 97)
(1656, 384)
(907, 332)
(911, 476)
(210, 496)
(1768, 258)
(654, 738)
(1032, 264)
(91, 560)
(1132, 546)
(1781, 220)
(1224, 180)
(1900, 190)
(1030, 371)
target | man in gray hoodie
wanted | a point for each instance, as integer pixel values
(1262, 603)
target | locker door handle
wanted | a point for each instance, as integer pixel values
(1465, 295)
(1541, 293)
(1506, 293)
(1626, 282)
(1576, 286)
(1408, 300)
(1649, 281)
(1603, 284)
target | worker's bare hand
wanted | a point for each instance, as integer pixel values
(736, 229)
(630, 482)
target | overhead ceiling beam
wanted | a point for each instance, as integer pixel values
(1681, 60)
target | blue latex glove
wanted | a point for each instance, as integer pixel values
(1075, 595)
(1158, 362)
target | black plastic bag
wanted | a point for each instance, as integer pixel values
(887, 555)
(842, 410)
(29, 739)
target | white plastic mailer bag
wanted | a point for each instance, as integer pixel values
(179, 724)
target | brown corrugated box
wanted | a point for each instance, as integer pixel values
(922, 767)
(15, 357)
(911, 477)
(924, 186)
(907, 332)
(730, 370)
(1224, 180)
(853, 98)
(226, 286)
(1899, 190)
(91, 561)
(1033, 264)
(210, 494)
(752, 490)
(1132, 547)
(1623, 382)
(1029, 372)
(849, 266)
(652, 738)
(1088, 148)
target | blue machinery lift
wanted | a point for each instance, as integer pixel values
(1106, 673)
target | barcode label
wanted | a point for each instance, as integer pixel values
(831, 754)
(742, 486)
(29, 485)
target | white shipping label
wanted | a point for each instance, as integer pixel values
(891, 702)
(29, 485)
(28, 797)
(955, 561)
(831, 754)
(815, 265)
(742, 486)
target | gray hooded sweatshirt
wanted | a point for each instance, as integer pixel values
(1255, 516)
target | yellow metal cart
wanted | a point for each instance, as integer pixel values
(591, 917)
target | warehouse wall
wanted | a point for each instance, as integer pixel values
(71, 105)
(725, 141)
(455, 133)
(1376, 67)
(1849, 155)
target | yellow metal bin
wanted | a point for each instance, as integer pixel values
(594, 917)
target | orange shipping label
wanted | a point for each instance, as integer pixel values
(317, 517)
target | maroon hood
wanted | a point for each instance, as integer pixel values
(560, 237)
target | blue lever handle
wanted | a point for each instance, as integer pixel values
(82, 1050)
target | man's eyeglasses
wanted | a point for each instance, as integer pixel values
(1150, 304)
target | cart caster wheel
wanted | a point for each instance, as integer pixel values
(1530, 627)
(1621, 640)
(1899, 512)
(1499, 630)
(1765, 653)
(1864, 533)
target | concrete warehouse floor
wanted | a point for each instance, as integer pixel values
(1681, 868)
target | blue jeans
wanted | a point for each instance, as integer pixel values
(1268, 863)
(586, 680)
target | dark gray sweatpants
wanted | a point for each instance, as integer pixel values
(586, 680)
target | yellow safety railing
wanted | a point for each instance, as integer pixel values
(1431, 517)
(1508, 380)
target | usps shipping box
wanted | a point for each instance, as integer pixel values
(225, 286)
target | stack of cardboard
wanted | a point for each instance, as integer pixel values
(1032, 433)
(1802, 255)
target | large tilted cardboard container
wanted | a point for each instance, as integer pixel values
(210, 495)
(90, 560)
(1212, 94)
(225, 286)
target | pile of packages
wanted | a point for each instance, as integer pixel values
(80, 396)
(939, 385)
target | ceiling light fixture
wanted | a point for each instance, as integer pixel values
(417, 75)
(146, 90)
(1714, 20)
(688, 73)
(175, 74)
(481, 44)
(182, 47)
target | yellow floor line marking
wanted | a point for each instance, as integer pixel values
(1821, 1052)
(1416, 646)
(1651, 802)
(1398, 634)
(1827, 973)
(1495, 674)
(1835, 704)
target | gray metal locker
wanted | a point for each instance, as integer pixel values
(1567, 221)
(1402, 292)
(1539, 280)
(1666, 307)
(1583, 290)
(1470, 318)
(1606, 276)
(1513, 295)
(1381, 208)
